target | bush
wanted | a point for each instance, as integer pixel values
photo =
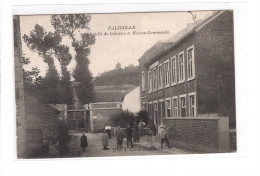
(142, 115)
(122, 118)
(63, 137)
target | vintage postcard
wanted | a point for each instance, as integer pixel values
(124, 84)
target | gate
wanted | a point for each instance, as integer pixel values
(79, 119)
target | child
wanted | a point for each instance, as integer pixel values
(83, 141)
(119, 137)
(129, 135)
(105, 140)
(151, 132)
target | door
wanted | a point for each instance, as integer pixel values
(161, 112)
(156, 118)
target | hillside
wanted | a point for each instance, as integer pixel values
(118, 76)
(112, 93)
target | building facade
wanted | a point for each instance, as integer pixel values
(19, 89)
(131, 101)
(192, 73)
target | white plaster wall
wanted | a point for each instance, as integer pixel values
(131, 101)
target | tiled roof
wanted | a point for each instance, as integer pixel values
(112, 93)
(109, 96)
(163, 46)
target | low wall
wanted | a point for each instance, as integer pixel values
(199, 134)
(233, 140)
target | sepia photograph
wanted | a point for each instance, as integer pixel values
(124, 84)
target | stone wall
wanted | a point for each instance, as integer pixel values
(43, 119)
(19, 88)
(199, 134)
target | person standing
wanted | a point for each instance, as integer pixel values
(108, 130)
(129, 136)
(151, 132)
(141, 128)
(136, 136)
(164, 137)
(119, 137)
(83, 141)
(105, 140)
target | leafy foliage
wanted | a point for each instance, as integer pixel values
(76, 27)
(63, 137)
(68, 24)
(142, 115)
(32, 80)
(127, 75)
(47, 45)
(122, 118)
(65, 87)
(42, 42)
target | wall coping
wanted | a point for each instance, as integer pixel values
(198, 117)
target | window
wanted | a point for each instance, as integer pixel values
(175, 107)
(190, 63)
(182, 101)
(167, 76)
(160, 77)
(144, 106)
(174, 71)
(168, 107)
(150, 88)
(143, 81)
(155, 79)
(192, 104)
(181, 67)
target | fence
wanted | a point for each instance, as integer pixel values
(200, 134)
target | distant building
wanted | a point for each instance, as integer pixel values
(112, 93)
(192, 73)
(108, 101)
(95, 116)
(131, 101)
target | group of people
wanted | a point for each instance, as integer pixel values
(119, 137)
(131, 135)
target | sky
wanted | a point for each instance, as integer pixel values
(111, 49)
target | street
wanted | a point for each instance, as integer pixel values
(95, 148)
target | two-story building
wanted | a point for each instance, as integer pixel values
(192, 73)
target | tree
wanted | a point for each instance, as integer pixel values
(32, 80)
(118, 66)
(127, 75)
(47, 45)
(43, 43)
(65, 87)
(76, 27)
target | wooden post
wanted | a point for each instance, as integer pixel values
(85, 121)
(85, 107)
